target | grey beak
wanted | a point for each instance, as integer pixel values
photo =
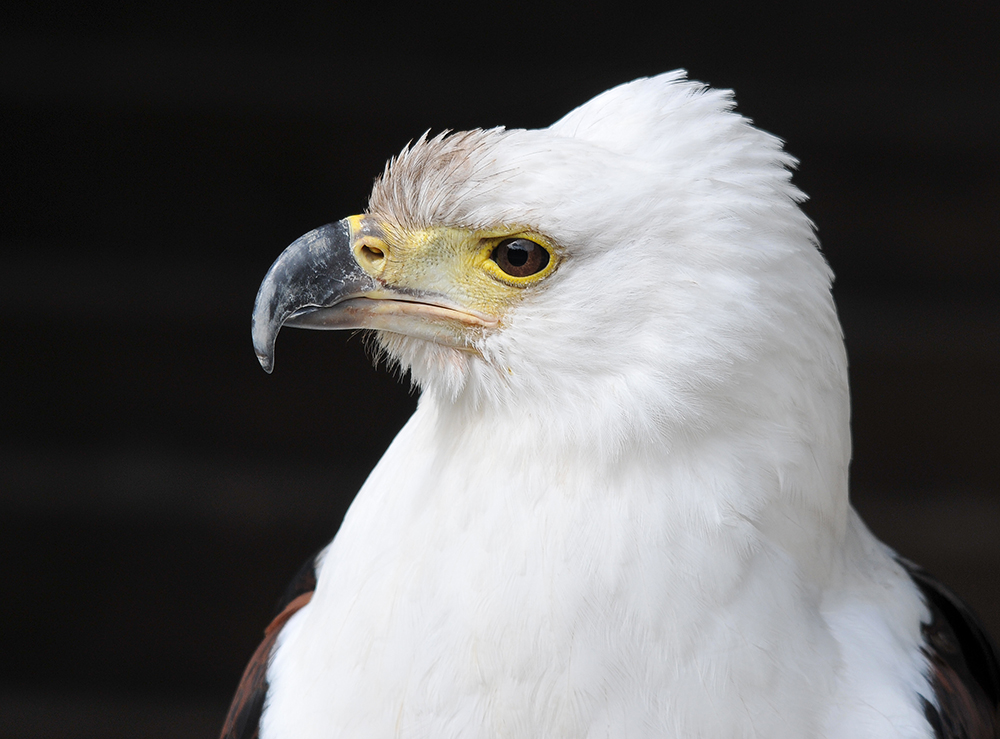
(316, 271)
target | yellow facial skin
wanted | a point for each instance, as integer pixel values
(452, 263)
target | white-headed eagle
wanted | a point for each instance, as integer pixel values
(621, 506)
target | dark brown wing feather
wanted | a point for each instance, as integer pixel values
(243, 720)
(965, 666)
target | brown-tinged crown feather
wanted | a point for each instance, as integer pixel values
(422, 186)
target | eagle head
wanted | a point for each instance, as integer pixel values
(640, 270)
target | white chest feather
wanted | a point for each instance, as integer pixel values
(458, 601)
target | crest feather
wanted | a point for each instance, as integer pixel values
(423, 184)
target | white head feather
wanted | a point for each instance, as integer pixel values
(692, 300)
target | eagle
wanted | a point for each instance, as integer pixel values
(621, 507)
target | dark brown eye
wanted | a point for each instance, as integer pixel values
(520, 257)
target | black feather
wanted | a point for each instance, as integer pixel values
(964, 666)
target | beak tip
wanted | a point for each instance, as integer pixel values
(263, 334)
(266, 363)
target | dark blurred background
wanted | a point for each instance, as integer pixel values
(157, 489)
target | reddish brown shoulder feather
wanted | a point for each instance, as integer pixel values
(243, 720)
(244, 712)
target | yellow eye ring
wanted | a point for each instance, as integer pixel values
(518, 260)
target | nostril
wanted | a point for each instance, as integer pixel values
(371, 253)
(371, 256)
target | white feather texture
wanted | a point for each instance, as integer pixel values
(628, 516)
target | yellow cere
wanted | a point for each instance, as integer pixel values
(453, 263)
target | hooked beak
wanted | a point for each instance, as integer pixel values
(323, 281)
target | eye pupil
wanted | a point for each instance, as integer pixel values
(520, 257)
(517, 255)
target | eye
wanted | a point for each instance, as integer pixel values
(520, 257)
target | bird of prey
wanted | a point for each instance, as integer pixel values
(621, 506)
